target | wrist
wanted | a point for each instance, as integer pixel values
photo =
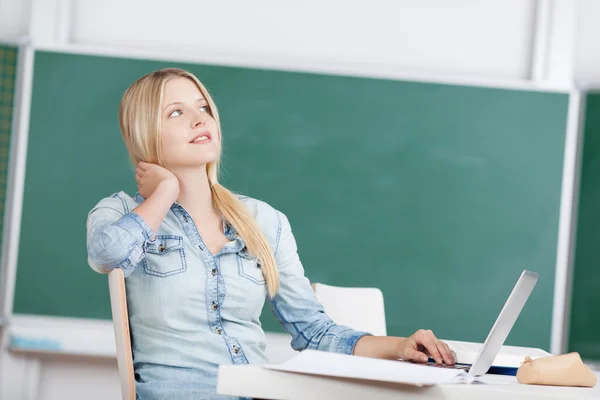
(387, 347)
(400, 347)
(169, 189)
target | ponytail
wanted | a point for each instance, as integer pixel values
(238, 215)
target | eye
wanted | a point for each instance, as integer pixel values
(175, 113)
(204, 108)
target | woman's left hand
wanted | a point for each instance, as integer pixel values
(422, 344)
(417, 347)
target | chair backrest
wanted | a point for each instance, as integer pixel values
(357, 308)
(120, 317)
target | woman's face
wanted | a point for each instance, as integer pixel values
(189, 135)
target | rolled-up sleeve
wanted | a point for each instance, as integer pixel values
(115, 239)
(296, 306)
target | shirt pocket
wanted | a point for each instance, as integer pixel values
(165, 256)
(249, 268)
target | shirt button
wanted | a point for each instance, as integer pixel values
(214, 272)
(215, 306)
(219, 331)
(185, 218)
(236, 350)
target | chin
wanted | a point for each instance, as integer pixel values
(207, 158)
(191, 160)
(195, 162)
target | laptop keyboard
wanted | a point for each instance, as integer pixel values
(432, 363)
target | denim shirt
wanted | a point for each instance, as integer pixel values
(190, 310)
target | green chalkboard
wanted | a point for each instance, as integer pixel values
(440, 195)
(8, 73)
(585, 303)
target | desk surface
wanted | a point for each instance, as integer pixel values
(254, 381)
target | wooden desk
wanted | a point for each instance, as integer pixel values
(255, 381)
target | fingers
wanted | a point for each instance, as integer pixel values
(413, 354)
(426, 339)
(143, 165)
(140, 171)
(443, 351)
(448, 354)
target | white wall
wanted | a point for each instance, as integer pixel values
(587, 60)
(75, 378)
(464, 37)
(14, 18)
(500, 40)
(491, 39)
(58, 377)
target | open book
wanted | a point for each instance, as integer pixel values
(509, 356)
(354, 367)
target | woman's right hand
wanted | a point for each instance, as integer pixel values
(150, 177)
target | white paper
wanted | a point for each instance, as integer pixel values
(490, 379)
(355, 367)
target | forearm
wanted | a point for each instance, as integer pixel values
(154, 209)
(387, 347)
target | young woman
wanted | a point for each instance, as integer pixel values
(200, 261)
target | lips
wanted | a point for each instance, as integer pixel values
(201, 137)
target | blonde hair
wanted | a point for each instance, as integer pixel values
(141, 123)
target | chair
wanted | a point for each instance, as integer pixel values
(357, 308)
(120, 317)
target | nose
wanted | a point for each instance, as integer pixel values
(198, 120)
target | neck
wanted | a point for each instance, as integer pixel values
(194, 192)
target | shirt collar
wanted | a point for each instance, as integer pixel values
(228, 229)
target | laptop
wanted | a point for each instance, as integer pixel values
(502, 327)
